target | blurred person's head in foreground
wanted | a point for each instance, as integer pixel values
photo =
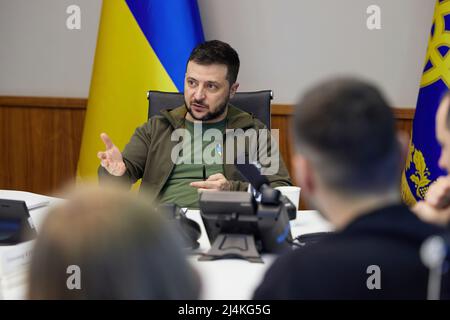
(348, 156)
(121, 245)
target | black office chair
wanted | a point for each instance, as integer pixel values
(256, 103)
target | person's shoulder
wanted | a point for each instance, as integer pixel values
(392, 221)
(157, 119)
(303, 260)
(167, 117)
(156, 122)
(243, 119)
(293, 275)
(413, 222)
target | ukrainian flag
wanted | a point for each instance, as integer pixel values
(142, 45)
(424, 151)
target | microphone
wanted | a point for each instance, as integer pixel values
(269, 195)
(433, 253)
(252, 174)
(260, 183)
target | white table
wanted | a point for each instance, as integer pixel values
(14, 260)
(236, 278)
(221, 279)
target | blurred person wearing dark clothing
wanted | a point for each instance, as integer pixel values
(348, 162)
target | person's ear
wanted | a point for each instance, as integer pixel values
(233, 89)
(303, 173)
(403, 141)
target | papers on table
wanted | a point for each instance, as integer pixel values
(15, 259)
(14, 265)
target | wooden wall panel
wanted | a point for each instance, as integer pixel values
(40, 140)
(281, 120)
(403, 119)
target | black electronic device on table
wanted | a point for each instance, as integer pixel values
(261, 184)
(267, 194)
(239, 227)
(15, 224)
(187, 230)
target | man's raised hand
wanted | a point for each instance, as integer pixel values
(111, 159)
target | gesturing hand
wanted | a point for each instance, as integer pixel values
(111, 159)
(214, 182)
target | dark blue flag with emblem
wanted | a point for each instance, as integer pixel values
(424, 151)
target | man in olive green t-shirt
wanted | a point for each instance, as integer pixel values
(177, 190)
(210, 82)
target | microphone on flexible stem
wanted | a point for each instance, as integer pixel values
(433, 253)
(252, 174)
(269, 195)
(256, 179)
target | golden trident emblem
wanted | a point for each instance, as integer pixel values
(440, 37)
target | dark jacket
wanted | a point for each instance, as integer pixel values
(337, 266)
(148, 154)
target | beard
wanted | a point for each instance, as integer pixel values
(210, 115)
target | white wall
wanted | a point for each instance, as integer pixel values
(39, 56)
(285, 45)
(288, 44)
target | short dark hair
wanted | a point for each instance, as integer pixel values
(217, 52)
(347, 129)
